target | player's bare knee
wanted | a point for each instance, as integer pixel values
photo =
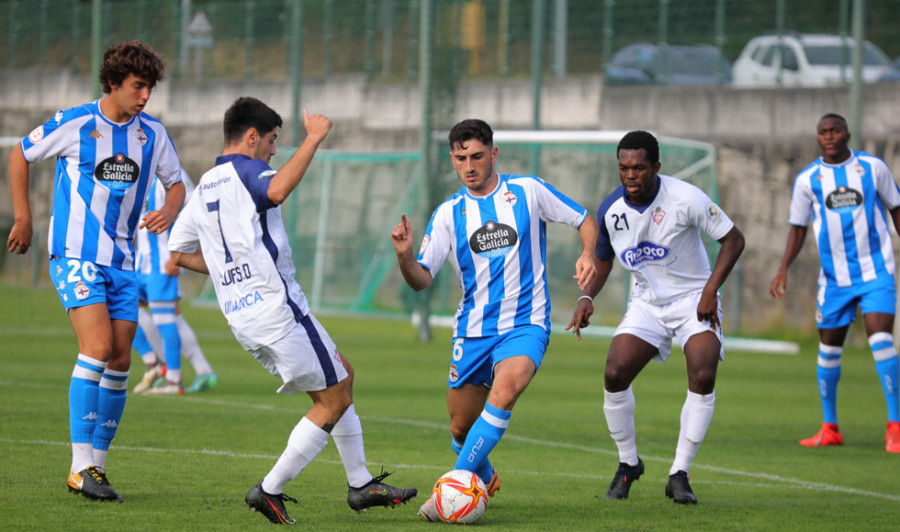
(616, 380)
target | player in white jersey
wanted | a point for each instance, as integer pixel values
(845, 194)
(164, 330)
(494, 232)
(107, 153)
(652, 225)
(235, 217)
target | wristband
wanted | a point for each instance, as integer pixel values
(589, 298)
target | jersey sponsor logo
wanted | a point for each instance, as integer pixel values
(118, 171)
(644, 252)
(95, 135)
(658, 215)
(140, 136)
(236, 274)
(241, 302)
(213, 184)
(843, 199)
(493, 239)
(36, 134)
(58, 117)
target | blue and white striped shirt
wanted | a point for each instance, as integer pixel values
(498, 245)
(103, 173)
(847, 204)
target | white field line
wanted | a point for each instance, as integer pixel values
(761, 479)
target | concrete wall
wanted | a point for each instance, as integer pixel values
(764, 137)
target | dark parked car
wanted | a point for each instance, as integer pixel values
(649, 64)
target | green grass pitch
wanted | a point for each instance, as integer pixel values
(184, 463)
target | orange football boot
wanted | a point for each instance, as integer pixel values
(892, 437)
(829, 435)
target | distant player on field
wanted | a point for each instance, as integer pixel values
(652, 225)
(234, 215)
(108, 152)
(845, 194)
(164, 331)
(494, 231)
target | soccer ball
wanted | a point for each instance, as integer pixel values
(459, 497)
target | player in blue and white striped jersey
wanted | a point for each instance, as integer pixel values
(494, 231)
(652, 224)
(234, 216)
(164, 330)
(845, 194)
(107, 154)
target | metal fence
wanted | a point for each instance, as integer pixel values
(228, 39)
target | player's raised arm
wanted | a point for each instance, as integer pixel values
(21, 233)
(317, 128)
(416, 276)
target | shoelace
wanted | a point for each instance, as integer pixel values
(97, 475)
(384, 474)
(283, 497)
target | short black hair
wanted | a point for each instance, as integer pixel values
(130, 57)
(247, 112)
(640, 140)
(836, 117)
(471, 128)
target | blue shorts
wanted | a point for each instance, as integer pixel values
(473, 359)
(80, 283)
(158, 287)
(836, 306)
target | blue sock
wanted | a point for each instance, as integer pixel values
(172, 345)
(483, 437)
(888, 368)
(140, 342)
(83, 398)
(828, 375)
(111, 404)
(485, 472)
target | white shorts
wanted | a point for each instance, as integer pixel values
(657, 324)
(306, 358)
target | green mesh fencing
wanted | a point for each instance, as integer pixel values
(474, 38)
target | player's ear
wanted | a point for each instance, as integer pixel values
(251, 137)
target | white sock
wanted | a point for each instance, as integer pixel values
(82, 456)
(190, 348)
(145, 322)
(100, 459)
(696, 415)
(304, 445)
(619, 410)
(348, 437)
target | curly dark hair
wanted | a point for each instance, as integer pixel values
(130, 57)
(640, 140)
